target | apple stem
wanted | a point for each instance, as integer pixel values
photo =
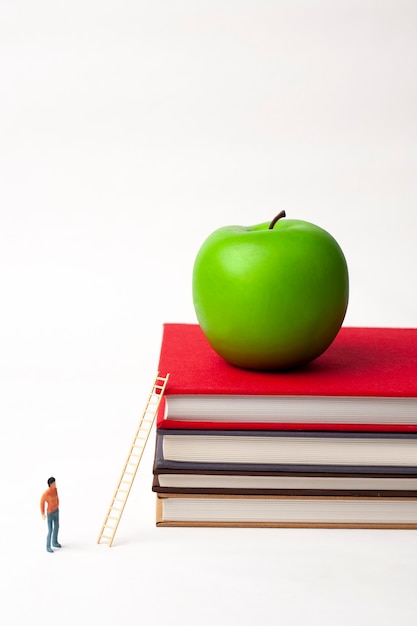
(275, 220)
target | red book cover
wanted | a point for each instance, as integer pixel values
(375, 365)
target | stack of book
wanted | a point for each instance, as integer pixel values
(332, 444)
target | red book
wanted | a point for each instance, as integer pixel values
(365, 381)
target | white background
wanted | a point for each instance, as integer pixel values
(129, 131)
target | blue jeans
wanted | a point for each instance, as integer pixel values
(53, 527)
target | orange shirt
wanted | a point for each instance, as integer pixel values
(50, 497)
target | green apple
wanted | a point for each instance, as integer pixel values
(271, 296)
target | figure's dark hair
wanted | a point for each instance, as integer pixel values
(50, 481)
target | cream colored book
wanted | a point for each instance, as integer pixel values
(281, 511)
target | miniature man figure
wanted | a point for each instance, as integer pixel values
(51, 501)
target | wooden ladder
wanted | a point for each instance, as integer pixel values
(121, 494)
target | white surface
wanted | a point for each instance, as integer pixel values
(129, 131)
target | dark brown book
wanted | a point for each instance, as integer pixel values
(258, 483)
